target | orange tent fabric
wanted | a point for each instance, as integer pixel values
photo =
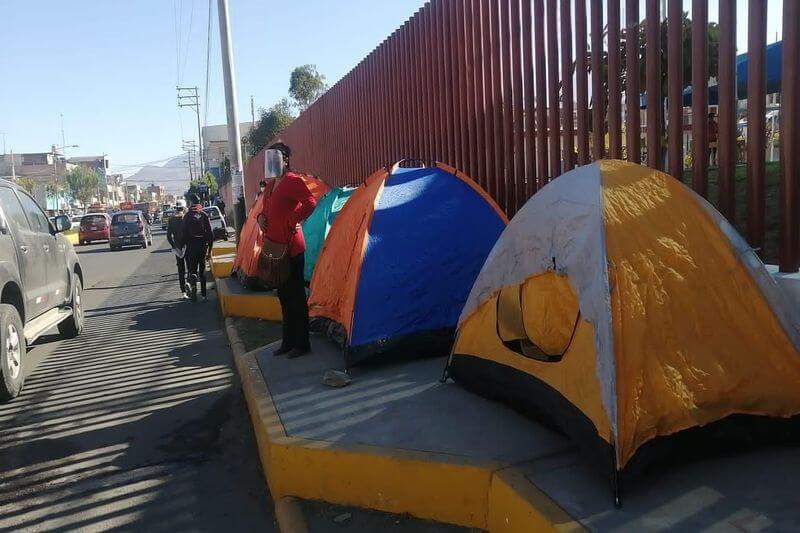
(622, 307)
(245, 264)
(333, 286)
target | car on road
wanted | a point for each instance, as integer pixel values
(42, 282)
(218, 226)
(129, 228)
(94, 227)
(165, 218)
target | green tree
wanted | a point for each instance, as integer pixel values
(29, 184)
(209, 181)
(306, 85)
(686, 30)
(271, 122)
(83, 183)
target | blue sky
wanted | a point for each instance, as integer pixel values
(110, 66)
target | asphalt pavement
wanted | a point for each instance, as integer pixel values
(137, 424)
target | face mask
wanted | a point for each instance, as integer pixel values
(273, 164)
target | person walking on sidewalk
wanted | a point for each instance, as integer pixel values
(289, 203)
(175, 239)
(198, 239)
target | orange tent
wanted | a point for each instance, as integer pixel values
(245, 266)
(400, 259)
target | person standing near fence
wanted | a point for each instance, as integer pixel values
(199, 239)
(713, 132)
(289, 203)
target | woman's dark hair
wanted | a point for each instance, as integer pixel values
(262, 183)
(193, 198)
(285, 150)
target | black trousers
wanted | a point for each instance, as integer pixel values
(196, 251)
(181, 262)
(294, 307)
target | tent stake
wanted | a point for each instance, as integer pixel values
(615, 481)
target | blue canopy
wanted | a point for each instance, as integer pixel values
(773, 64)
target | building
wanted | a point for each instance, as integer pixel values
(215, 144)
(115, 185)
(133, 193)
(46, 171)
(155, 193)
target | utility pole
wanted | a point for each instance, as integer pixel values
(4, 141)
(190, 97)
(13, 168)
(191, 147)
(63, 141)
(252, 113)
(234, 135)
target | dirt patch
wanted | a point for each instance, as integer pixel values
(325, 517)
(256, 333)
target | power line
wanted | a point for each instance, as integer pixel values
(188, 37)
(208, 65)
(177, 42)
(178, 21)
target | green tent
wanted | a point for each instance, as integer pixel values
(317, 226)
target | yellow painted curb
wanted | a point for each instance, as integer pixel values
(442, 487)
(72, 236)
(288, 513)
(250, 305)
(222, 265)
(223, 248)
(517, 506)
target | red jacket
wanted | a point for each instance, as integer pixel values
(288, 204)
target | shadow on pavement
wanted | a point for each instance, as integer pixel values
(138, 423)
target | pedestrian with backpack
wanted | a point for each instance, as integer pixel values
(175, 239)
(198, 239)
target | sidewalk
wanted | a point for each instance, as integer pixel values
(399, 441)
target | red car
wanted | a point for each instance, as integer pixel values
(94, 227)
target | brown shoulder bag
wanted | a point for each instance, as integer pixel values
(274, 265)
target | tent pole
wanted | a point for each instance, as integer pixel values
(446, 370)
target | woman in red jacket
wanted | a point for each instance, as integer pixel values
(289, 203)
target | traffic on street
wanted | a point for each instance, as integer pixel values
(138, 423)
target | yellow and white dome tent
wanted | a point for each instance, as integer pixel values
(624, 308)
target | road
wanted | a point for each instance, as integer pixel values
(139, 423)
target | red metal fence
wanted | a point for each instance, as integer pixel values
(501, 89)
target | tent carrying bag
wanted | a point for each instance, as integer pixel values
(274, 265)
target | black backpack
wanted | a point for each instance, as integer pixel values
(194, 226)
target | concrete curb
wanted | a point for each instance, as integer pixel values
(223, 248)
(452, 489)
(222, 265)
(251, 305)
(288, 513)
